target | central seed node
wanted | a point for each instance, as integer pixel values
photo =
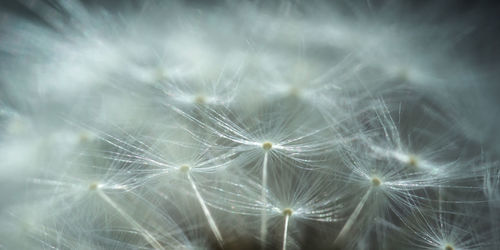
(184, 168)
(376, 181)
(287, 212)
(93, 186)
(412, 161)
(267, 146)
(448, 247)
(294, 91)
(199, 99)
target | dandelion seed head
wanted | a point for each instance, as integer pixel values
(305, 141)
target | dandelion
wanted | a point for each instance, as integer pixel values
(172, 156)
(446, 230)
(292, 196)
(385, 187)
(220, 92)
(85, 194)
(436, 157)
(264, 139)
(233, 125)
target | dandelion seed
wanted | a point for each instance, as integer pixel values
(292, 196)
(162, 157)
(444, 229)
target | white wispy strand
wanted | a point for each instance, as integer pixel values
(352, 219)
(263, 226)
(147, 235)
(209, 217)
